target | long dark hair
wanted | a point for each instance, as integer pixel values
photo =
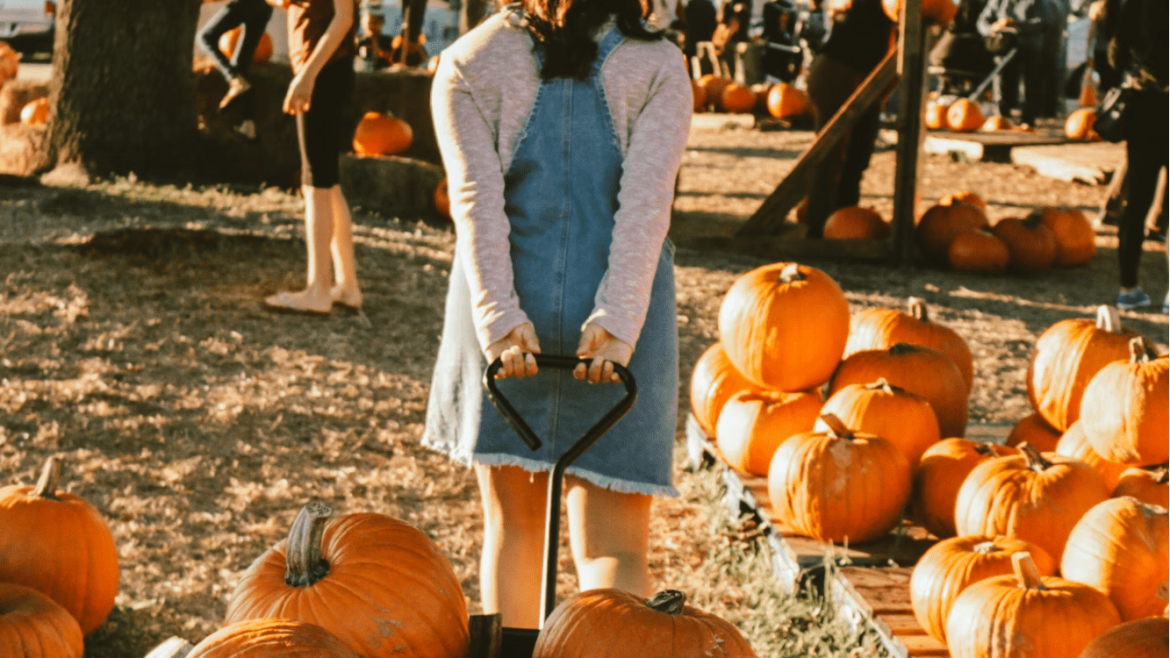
(564, 30)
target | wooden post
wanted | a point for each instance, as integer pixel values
(912, 69)
(471, 14)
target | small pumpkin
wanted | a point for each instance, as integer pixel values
(34, 626)
(1030, 243)
(1033, 430)
(856, 223)
(1032, 496)
(1075, 239)
(941, 473)
(997, 123)
(940, 225)
(271, 638)
(1010, 616)
(952, 565)
(381, 134)
(9, 62)
(965, 196)
(878, 329)
(1125, 411)
(738, 99)
(1079, 124)
(700, 96)
(713, 382)
(1149, 485)
(896, 415)
(348, 575)
(1073, 443)
(713, 86)
(1119, 547)
(935, 115)
(839, 486)
(231, 39)
(964, 116)
(755, 422)
(662, 627)
(35, 113)
(979, 251)
(1141, 638)
(787, 102)
(918, 369)
(1066, 357)
(784, 326)
(81, 573)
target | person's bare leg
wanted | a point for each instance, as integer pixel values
(345, 286)
(513, 543)
(610, 536)
(318, 234)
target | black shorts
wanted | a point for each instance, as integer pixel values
(319, 129)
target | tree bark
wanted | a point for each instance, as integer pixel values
(122, 90)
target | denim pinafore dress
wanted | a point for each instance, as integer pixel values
(560, 198)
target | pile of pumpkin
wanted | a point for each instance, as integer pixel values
(780, 100)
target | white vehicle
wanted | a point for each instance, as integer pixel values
(27, 25)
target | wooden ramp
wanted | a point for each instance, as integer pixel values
(880, 599)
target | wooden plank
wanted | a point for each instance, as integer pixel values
(912, 69)
(787, 248)
(903, 624)
(794, 187)
(1093, 164)
(880, 599)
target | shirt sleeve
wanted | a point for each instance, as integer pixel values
(657, 140)
(475, 181)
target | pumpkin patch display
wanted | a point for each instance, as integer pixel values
(662, 627)
(855, 223)
(1119, 547)
(1141, 638)
(58, 544)
(784, 326)
(1031, 245)
(979, 251)
(924, 371)
(737, 99)
(231, 39)
(964, 116)
(1033, 430)
(271, 638)
(941, 473)
(1074, 444)
(940, 225)
(1150, 485)
(34, 626)
(713, 382)
(35, 113)
(755, 422)
(348, 576)
(896, 415)
(1027, 614)
(879, 329)
(787, 102)
(1079, 124)
(1036, 497)
(1076, 241)
(1066, 357)
(381, 134)
(839, 486)
(953, 565)
(1124, 411)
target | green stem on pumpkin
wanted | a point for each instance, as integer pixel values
(1108, 319)
(50, 477)
(1026, 571)
(1033, 458)
(304, 564)
(670, 601)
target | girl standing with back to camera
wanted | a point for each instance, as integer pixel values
(562, 125)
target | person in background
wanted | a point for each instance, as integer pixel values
(858, 40)
(251, 16)
(700, 21)
(734, 18)
(1138, 50)
(411, 51)
(374, 48)
(1022, 25)
(321, 48)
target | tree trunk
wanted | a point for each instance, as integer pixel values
(122, 89)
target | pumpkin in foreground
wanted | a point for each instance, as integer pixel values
(610, 622)
(1150, 485)
(884, 410)
(33, 626)
(378, 584)
(1125, 411)
(941, 473)
(1032, 429)
(755, 422)
(1143, 638)
(271, 638)
(58, 544)
(1074, 444)
(713, 382)
(882, 328)
(1027, 615)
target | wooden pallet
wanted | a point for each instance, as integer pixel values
(990, 146)
(880, 599)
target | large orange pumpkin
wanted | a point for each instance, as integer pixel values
(784, 326)
(965, 196)
(35, 113)
(358, 576)
(34, 626)
(954, 564)
(713, 382)
(1074, 444)
(271, 638)
(1075, 238)
(231, 38)
(839, 486)
(442, 199)
(1033, 430)
(937, 12)
(601, 621)
(1124, 411)
(856, 223)
(896, 415)
(964, 116)
(1030, 243)
(1142, 638)
(1032, 496)
(977, 250)
(941, 473)
(1027, 614)
(940, 225)
(921, 370)
(1150, 485)
(380, 134)
(737, 99)
(1079, 124)
(755, 422)
(787, 102)
(713, 86)
(58, 544)
(1119, 547)
(882, 328)
(1066, 357)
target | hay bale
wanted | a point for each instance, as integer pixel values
(15, 94)
(19, 147)
(395, 186)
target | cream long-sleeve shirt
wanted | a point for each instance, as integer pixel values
(482, 95)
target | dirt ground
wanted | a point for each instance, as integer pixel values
(133, 345)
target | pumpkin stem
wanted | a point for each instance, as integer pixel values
(1163, 591)
(790, 273)
(917, 307)
(883, 385)
(1108, 319)
(670, 601)
(986, 548)
(304, 564)
(837, 427)
(1026, 571)
(50, 476)
(903, 348)
(985, 449)
(1032, 221)
(1139, 351)
(1162, 471)
(1034, 459)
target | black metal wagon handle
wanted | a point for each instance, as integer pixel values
(553, 510)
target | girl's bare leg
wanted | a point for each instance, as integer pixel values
(345, 286)
(610, 536)
(318, 235)
(513, 543)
